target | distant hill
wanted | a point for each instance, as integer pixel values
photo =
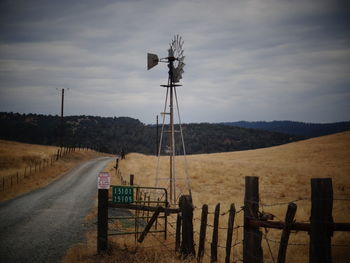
(112, 134)
(305, 130)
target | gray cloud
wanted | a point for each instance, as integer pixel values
(253, 60)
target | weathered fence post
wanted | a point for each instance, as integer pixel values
(202, 232)
(178, 233)
(102, 220)
(231, 219)
(186, 208)
(282, 252)
(214, 242)
(58, 154)
(252, 251)
(321, 220)
(131, 179)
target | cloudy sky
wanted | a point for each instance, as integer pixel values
(245, 59)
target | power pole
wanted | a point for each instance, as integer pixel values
(62, 104)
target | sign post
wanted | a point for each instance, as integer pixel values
(103, 183)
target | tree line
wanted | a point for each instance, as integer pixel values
(112, 134)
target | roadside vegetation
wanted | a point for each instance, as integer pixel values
(284, 174)
(16, 157)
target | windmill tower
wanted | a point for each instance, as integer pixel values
(175, 61)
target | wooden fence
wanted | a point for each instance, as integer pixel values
(320, 228)
(8, 181)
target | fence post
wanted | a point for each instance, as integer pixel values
(231, 219)
(187, 243)
(252, 251)
(131, 179)
(178, 233)
(214, 242)
(282, 251)
(202, 233)
(321, 220)
(102, 220)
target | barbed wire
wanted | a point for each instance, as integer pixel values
(268, 245)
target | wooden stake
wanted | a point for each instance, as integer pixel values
(292, 208)
(202, 233)
(230, 224)
(214, 242)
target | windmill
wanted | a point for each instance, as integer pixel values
(175, 61)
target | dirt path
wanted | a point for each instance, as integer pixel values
(41, 225)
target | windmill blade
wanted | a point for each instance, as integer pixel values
(181, 59)
(170, 52)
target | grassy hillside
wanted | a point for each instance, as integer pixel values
(284, 171)
(15, 157)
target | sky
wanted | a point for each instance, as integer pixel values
(248, 60)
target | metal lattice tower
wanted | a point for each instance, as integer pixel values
(176, 64)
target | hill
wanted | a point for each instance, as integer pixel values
(306, 130)
(284, 175)
(113, 134)
(22, 160)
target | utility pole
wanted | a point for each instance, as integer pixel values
(62, 104)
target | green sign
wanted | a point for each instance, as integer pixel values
(123, 194)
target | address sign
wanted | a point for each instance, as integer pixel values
(123, 194)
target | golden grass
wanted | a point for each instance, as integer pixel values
(284, 175)
(15, 157)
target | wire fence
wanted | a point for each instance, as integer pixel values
(269, 241)
(8, 181)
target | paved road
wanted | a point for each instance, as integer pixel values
(39, 226)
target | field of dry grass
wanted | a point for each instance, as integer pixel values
(284, 171)
(284, 175)
(15, 157)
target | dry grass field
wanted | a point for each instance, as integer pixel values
(284, 175)
(15, 157)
